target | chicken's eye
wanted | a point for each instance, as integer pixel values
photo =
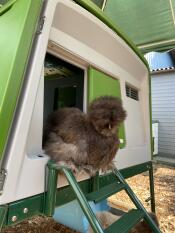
(108, 126)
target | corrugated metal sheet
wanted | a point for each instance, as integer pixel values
(158, 61)
(163, 110)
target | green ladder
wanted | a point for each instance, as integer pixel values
(123, 225)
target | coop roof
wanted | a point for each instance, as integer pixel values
(149, 24)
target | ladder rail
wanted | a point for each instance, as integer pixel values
(136, 201)
(83, 202)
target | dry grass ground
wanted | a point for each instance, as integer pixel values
(165, 204)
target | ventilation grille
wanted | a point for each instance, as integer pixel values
(132, 93)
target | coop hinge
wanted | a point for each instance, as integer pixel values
(41, 24)
(3, 174)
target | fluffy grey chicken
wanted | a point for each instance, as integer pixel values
(85, 141)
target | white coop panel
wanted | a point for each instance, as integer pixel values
(75, 36)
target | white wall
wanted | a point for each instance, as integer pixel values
(163, 110)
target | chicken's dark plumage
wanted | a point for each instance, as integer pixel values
(86, 141)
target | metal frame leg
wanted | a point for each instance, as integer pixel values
(51, 190)
(152, 193)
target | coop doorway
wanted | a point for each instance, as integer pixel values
(63, 85)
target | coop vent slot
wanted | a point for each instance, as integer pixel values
(132, 92)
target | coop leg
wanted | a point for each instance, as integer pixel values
(151, 180)
(95, 182)
(51, 191)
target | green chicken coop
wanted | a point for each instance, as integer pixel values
(65, 53)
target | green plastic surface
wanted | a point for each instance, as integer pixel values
(102, 84)
(17, 30)
(34, 205)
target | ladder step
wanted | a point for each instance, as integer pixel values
(126, 222)
(105, 192)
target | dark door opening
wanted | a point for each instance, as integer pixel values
(63, 85)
